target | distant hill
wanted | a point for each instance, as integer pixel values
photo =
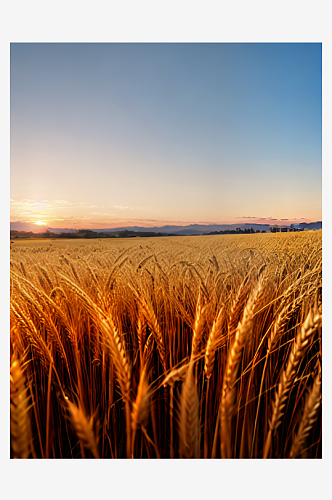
(308, 225)
(189, 230)
(192, 229)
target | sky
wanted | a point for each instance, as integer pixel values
(121, 134)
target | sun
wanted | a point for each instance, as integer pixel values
(40, 223)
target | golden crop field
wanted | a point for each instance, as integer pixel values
(182, 347)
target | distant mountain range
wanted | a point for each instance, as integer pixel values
(194, 229)
(189, 230)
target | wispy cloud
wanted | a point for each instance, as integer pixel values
(129, 207)
(274, 220)
(103, 214)
(51, 204)
(29, 207)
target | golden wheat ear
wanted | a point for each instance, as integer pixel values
(212, 343)
(140, 412)
(309, 417)
(198, 327)
(302, 341)
(20, 425)
(140, 407)
(189, 417)
(229, 390)
(83, 428)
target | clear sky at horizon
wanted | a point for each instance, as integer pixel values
(150, 134)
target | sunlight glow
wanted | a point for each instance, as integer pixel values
(40, 223)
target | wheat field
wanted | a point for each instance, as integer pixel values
(180, 347)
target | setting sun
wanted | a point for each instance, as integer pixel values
(40, 223)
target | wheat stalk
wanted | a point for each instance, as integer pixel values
(237, 306)
(212, 343)
(309, 417)
(139, 412)
(198, 327)
(154, 325)
(298, 350)
(176, 375)
(228, 397)
(83, 427)
(189, 417)
(20, 425)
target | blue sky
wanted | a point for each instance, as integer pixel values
(121, 134)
